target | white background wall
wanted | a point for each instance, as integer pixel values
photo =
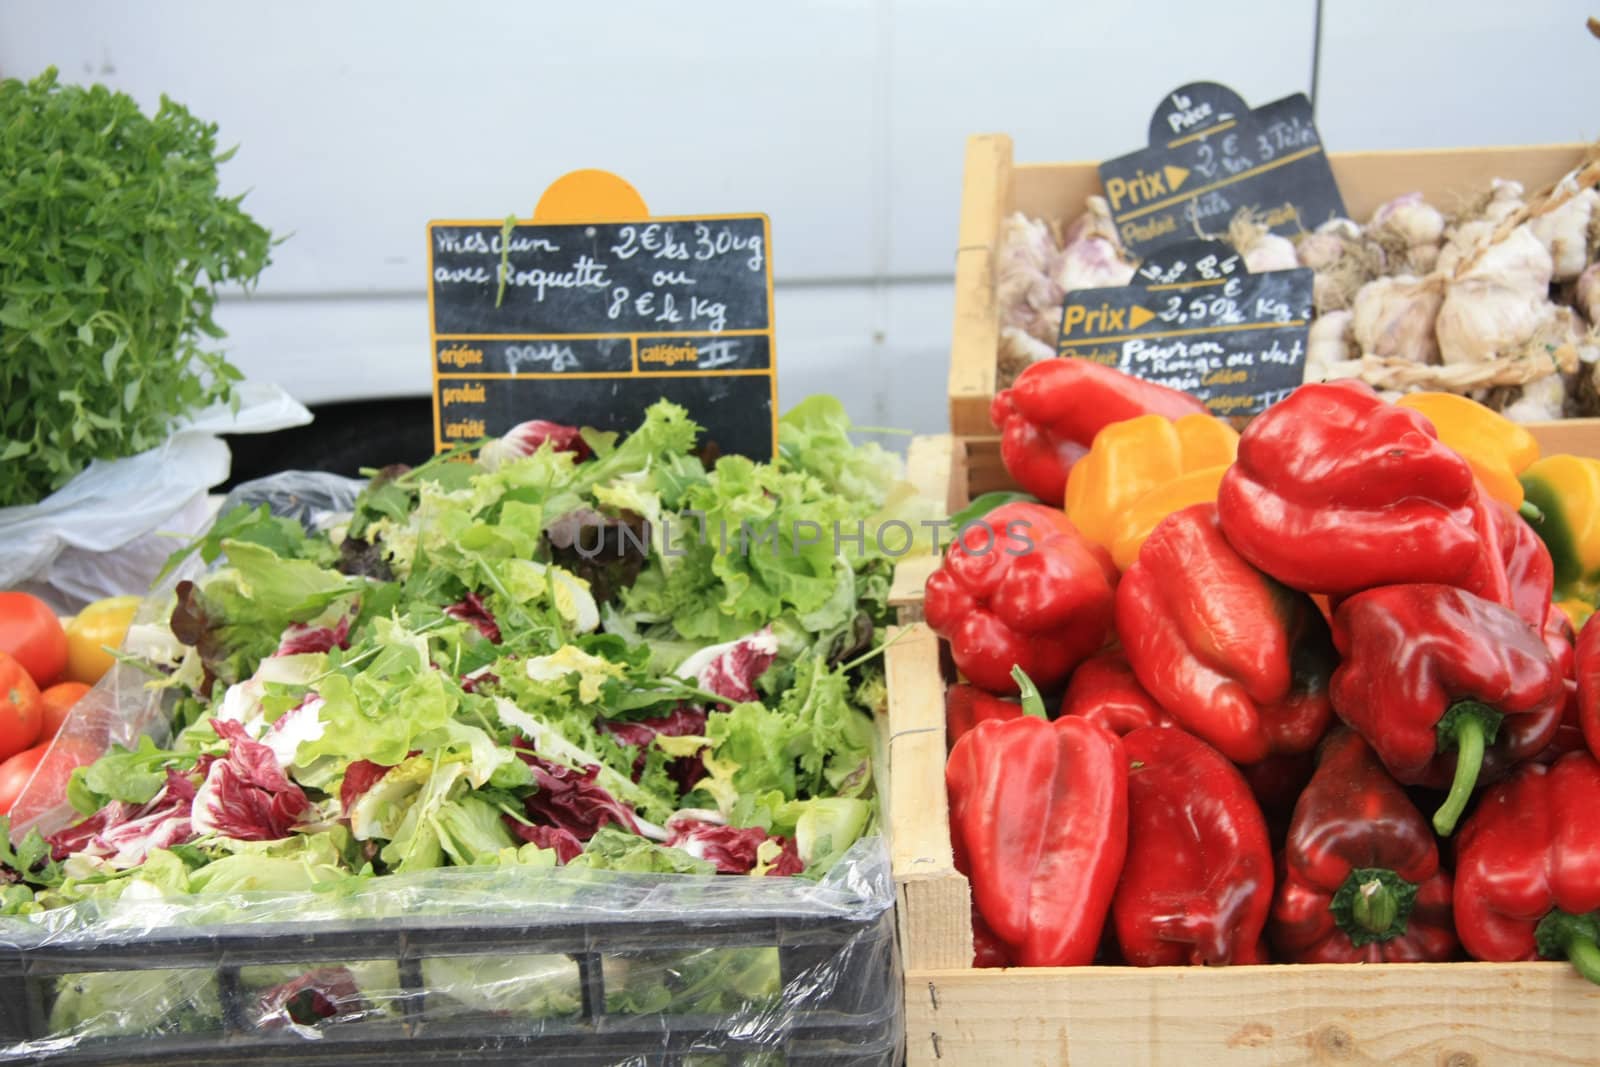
(843, 120)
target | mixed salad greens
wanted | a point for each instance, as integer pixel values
(572, 650)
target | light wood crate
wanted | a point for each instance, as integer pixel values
(1443, 1015)
(994, 186)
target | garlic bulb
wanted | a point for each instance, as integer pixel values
(1518, 261)
(1540, 401)
(1482, 319)
(1092, 262)
(1325, 246)
(1328, 351)
(1024, 268)
(1588, 293)
(1262, 249)
(1479, 223)
(1018, 346)
(1343, 260)
(1564, 233)
(1409, 230)
(1394, 319)
(1410, 217)
(1095, 221)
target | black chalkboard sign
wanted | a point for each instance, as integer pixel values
(1194, 318)
(1210, 156)
(589, 323)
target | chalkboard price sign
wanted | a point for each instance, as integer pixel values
(1196, 319)
(588, 323)
(1209, 156)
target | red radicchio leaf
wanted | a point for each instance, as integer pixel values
(731, 849)
(733, 673)
(125, 833)
(470, 683)
(525, 438)
(683, 721)
(315, 995)
(246, 796)
(360, 776)
(565, 842)
(571, 800)
(471, 608)
(299, 637)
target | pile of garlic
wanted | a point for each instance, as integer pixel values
(1500, 301)
(1036, 269)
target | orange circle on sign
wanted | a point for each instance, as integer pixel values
(590, 196)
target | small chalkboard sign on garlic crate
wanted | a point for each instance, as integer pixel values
(588, 323)
(1196, 319)
(1210, 156)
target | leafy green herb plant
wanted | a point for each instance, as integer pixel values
(113, 240)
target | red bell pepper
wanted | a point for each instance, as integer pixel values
(1048, 418)
(1104, 690)
(1336, 491)
(1448, 688)
(1197, 884)
(1528, 867)
(1021, 588)
(1361, 876)
(1039, 820)
(1586, 670)
(965, 706)
(1277, 783)
(1238, 659)
(987, 949)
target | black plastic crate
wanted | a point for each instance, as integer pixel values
(839, 1005)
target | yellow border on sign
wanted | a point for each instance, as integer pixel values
(1075, 342)
(1207, 132)
(1281, 161)
(771, 331)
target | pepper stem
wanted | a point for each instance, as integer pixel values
(1530, 511)
(1032, 702)
(1373, 904)
(1468, 727)
(1562, 933)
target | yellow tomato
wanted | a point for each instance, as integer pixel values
(103, 623)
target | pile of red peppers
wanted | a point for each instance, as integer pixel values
(1332, 717)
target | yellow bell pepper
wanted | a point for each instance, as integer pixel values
(1138, 456)
(1566, 489)
(1139, 521)
(103, 623)
(1497, 449)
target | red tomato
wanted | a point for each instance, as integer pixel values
(21, 709)
(15, 772)
(30, 631)
(55, 703)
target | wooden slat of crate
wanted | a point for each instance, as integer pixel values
(1439, 1015)
(994, 185)
(934, 909)
(1444, 1015)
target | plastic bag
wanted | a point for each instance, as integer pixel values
(493, 964)
(108, 530)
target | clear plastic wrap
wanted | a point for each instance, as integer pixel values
(481, 965)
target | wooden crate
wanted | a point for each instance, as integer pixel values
(1455, 1014)
(994, 187)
